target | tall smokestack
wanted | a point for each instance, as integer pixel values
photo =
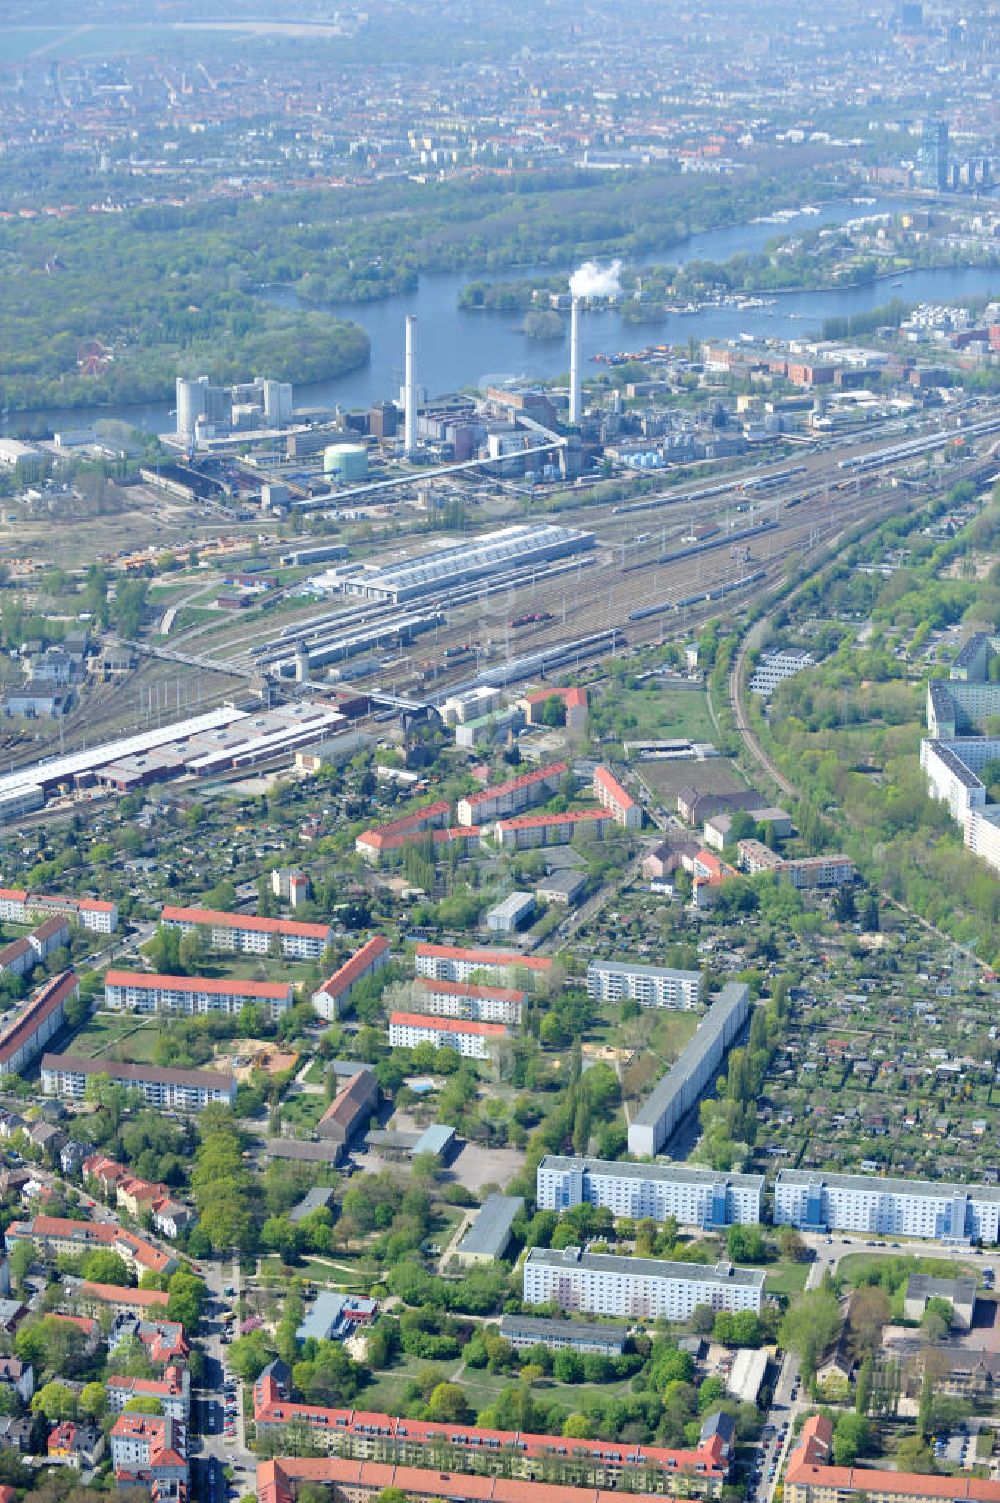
(410, 388)
(575, 402)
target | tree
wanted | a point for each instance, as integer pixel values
(811, 1325)
(185, 1298)
(567, 1367)
(21, 1258)
(102, 1266)
(93, 1401)
(447, 1405)
(850, 1437)
(577, 1427)
(55, 1401)
(249, 1355)
(143, 1406)
(914, 1455)
(870, 1310)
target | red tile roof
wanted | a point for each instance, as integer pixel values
(121, 1294)
(243, 921)
(446, 1025)
(526, 780)
(358, 965)
(30, 1019)
(807, 1468)
(215, 986)
(276, 1483)
(463, 989)
(616, 793)
(572, 697)
(571, 817)
(485, 957)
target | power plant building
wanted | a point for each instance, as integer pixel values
(684, 1082)
(511, 549)
(696, 1197)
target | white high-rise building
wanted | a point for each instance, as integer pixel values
(642, 1288)
(696, 1197)
(886, 1207)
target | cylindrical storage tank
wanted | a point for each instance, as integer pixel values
(347, 462)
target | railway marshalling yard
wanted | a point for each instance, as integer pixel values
(659, 568)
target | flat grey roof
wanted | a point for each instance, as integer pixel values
(732, 997)
(537, 1325)
(648, 1268)
(313, 1200)
(924, 1286)
(490, 1232)
(661, 1173)
(630, 968)
(512, 906)
(324, 1314)
(877, 1184)
(434, 1139)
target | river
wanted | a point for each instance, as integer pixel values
(457, 348)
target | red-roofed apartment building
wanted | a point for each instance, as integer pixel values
(508, 798)
(372, 843)
(250, 934)
(360, 1436)
(575, 700)
(408, 1029)
(526, 831)
(53, 1235)
(139, 991)
(357, 1481)
(454, 963)
(18, 906)
(24, 1038)
(148, 1448)
(809, 1477)
(332, 998)
(485, 1004)
(610, 794)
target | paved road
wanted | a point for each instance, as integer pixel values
(215, 1445)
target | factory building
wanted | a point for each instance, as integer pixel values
(513, 549)
(649, 985)
(684, 1082)
(884, 1207)
(695, 1197)
(639, 1288)
(509, 916)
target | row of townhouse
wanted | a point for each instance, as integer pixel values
(694, 1197)
(481, 1004)
(638, 1288)
(25, 1036)
(145, 992)
(138, 1196)
(54, 1236)
(24, 953)
(457, 963)
(505, 799)
(650, 986)
(471, 1039)
(19, 906)
(333, 997)
(249, 934)
(699, 1471)
(66, 1076)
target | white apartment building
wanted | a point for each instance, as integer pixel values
(649, 985)
(471, 1039)
(870, 1204)
(455, 963)
(139, 991)
(774, 667)
(639, 1288)
(66, 1075)
(696, 1197)
(982, 834)
(483, 1004)
(248, 934)
(819, 871)
(508, 798)
(18, 906)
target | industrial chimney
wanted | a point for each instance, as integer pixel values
(575, 401)
(410, 387)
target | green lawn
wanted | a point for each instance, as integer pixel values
(857, 1266)
(662, 712)
(117, 1036)
(786, 1278)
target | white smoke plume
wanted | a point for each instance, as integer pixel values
(591, 280)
